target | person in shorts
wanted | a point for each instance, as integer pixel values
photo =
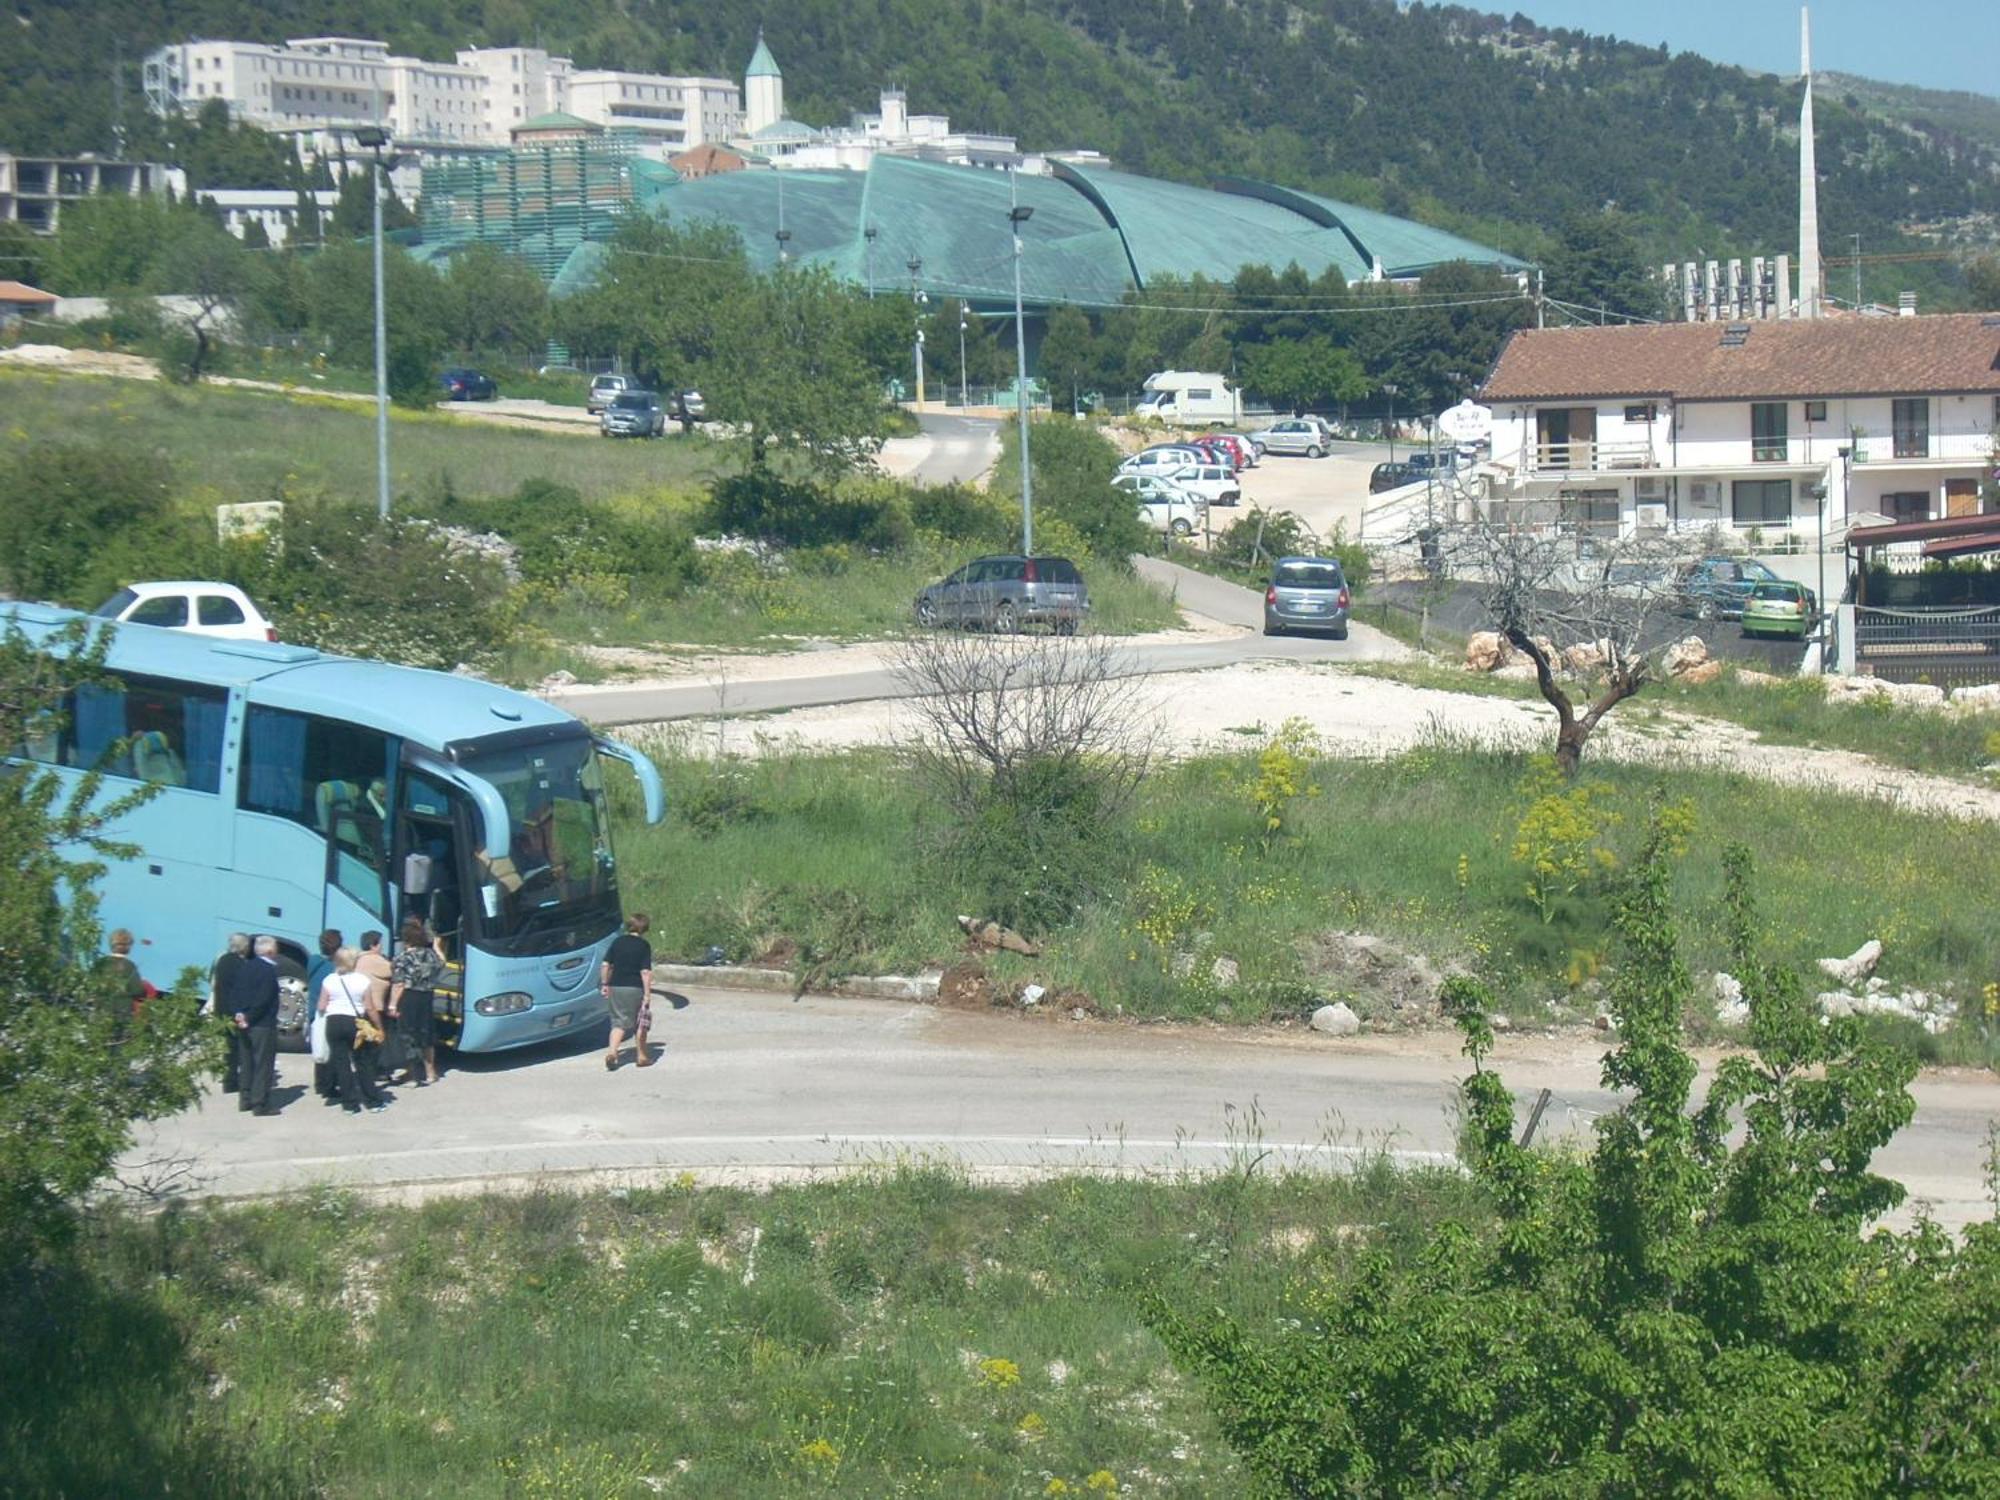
(626, 982)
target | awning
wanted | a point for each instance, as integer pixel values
(1967, 546)
(1952, 529)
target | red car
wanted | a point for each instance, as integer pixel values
(1234, 449)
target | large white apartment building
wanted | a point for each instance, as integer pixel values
(311, 86)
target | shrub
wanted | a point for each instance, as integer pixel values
(565, 542)
(398, 589)
(1699, 1304)
(959, 513)
(786, 513)
(1073, 467)
(60, 502)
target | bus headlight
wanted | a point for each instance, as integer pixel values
(510, 1004)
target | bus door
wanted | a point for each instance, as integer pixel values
(429, 838)
(357, 896)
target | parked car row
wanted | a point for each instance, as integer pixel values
(640, 413)
(685, 407)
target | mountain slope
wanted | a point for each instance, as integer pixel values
(1493, 127)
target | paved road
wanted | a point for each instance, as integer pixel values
(1200, 593)
(961, 448)
(754, 1087)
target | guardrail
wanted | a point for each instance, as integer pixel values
(1948, 647)
(1585, 456)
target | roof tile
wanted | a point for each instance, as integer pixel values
(1816, 358)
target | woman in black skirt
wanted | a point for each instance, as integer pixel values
(414, 975)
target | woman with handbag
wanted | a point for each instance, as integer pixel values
(347, 1002)
(415, 971)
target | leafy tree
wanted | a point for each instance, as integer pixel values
(340, 292)
(353, 215)
(497, 304)
(206, 264)
(791, 374)
(1306, 373)
(218, 152)
(1069, 355)
(59, 503)
(1598, 262)
(1692, 1307)
(79, 1065)
(1073, 465)
(24, 255)
(1982, 280)
(107, 244)
(256, 236)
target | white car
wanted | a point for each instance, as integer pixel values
(1164, 505)
(606, 389)
(1214, 483)
(217, 609)
(1160, 460)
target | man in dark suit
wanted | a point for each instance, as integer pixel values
(221, 997)
(253, 1004)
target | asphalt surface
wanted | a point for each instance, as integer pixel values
(1215, 598)
(961, 448)
(753, 1088)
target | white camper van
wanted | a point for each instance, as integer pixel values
(1190, 398)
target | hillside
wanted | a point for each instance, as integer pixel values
(1952, 118)
(1492, 127)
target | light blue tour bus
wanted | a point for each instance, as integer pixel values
(301, 791)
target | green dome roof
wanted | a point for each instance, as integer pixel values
(762, 64)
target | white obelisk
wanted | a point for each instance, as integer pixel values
(1809, 282)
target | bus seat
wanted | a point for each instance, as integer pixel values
(153, 759)
(333, 797)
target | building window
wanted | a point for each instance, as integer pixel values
(1907, 505)
(1646, 413)
(1761, 502)
(1910, 423)
(1815, 411)
(1768, 431)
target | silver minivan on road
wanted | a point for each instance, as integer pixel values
(1307, 593)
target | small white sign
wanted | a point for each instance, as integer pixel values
(1466, 423)
(250, 521)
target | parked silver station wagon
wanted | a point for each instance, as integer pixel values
(1008, 594)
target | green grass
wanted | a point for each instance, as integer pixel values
(228, 445)
(836, 853)
(899, 1333)
(1793, 711)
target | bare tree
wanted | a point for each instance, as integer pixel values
(1588, 612)
(1034, 746)
(992, 710)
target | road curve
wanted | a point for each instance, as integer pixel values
(754, 1087)
(609, 707)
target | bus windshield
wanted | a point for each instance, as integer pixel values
(557, 885)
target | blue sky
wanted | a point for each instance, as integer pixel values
(1943, 44)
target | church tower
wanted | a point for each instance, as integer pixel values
(763, 89)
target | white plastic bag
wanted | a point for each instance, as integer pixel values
(322, 1050)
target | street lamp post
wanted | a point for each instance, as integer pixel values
(374, 138)
(961, 357)
(1390, 391)
(784, 239)
(916, 264)
(1017, 215)
(868, 237)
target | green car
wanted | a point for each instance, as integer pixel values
(1779, 609)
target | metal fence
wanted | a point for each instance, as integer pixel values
(1947, 647)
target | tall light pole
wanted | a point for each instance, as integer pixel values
(374, 139)
(1390, 391)
(1017, 215)
(916, 265)
(868, 235)
(1857, 271)
(961, 356)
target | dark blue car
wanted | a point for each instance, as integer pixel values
(469, 385)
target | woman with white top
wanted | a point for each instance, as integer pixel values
(344, 998)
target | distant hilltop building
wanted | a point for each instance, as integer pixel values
(779, 141)
(316, 87)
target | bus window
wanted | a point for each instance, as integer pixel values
(316, 772)
(146, 729)
(558, 876)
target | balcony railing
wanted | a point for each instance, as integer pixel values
(1901, 447)
(1586, 456)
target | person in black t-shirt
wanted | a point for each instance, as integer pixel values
(626, 982)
